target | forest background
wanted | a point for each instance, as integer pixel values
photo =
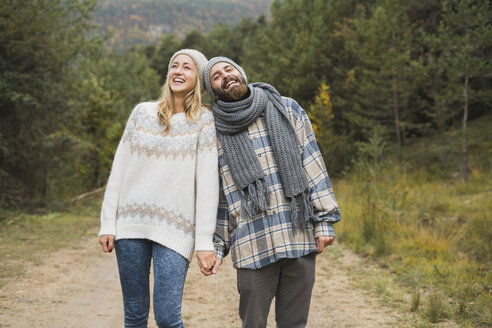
(398, 91)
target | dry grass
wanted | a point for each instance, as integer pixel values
(434, 235)
(29, 238)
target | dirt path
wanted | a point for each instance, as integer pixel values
(80, 288)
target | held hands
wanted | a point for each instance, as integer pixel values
(107, 243)
(207, 262)
(322, 242)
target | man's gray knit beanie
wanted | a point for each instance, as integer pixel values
(210, 64)
(200, 62)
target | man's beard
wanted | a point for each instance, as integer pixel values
(234, 94)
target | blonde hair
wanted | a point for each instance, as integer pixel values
(192, 104)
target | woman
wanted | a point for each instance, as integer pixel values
(162, 194)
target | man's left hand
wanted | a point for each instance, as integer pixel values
(322, 242)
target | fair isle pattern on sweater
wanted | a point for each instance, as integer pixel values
(156, 215)
(146, 137)
(163, 186)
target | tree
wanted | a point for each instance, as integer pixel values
(39, 41)
(105, 88)
(465, 35)
(221, 41)
(389, 71)
(295, 51)
(321, 116)
(162, 54)
(230, 42)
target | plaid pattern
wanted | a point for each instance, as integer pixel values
(268, 237)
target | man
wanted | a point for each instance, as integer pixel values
(277, 206)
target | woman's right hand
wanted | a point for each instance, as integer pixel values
(107, 243)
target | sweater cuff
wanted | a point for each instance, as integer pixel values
(107, 228)
(204, 243)
(323, 228)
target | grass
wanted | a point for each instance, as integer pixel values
(428, 227)
(415, 300)
(27, 238)
(435, 307)
(446, 250)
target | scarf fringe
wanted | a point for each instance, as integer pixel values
(255, 199)
(231, 121)
(306, 210)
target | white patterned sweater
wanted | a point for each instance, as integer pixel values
(164, 186)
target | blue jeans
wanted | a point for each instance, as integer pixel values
(170, 268)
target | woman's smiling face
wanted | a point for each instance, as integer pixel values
(183, 75)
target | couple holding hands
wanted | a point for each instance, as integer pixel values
(246, 177)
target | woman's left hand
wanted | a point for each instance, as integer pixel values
(206, 260)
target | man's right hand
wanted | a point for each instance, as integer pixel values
(107, 243)
(216, 266)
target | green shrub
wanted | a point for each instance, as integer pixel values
(435, 307)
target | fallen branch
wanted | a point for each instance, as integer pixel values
(87, 194)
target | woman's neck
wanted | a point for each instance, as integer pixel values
(178, 104)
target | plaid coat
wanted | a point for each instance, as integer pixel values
(268, 237)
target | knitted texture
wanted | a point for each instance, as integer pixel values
(211, 63)
(200, 62)
(232, 120)
(163, 186)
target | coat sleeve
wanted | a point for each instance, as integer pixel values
(221, 236)
(327, 211)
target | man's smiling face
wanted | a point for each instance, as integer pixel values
(227, 82)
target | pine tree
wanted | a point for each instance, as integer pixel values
(105, 89)
(39, 41)
(465, 35)
(388, 72)
(323, 122)
(295, 51)
(162, 54)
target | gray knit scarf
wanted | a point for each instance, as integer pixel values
(232, 120)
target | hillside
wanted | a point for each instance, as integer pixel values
(133, 22)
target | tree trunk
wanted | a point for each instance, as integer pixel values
(397, 119)
(464, 165)
(87, 194)
(395, 106)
